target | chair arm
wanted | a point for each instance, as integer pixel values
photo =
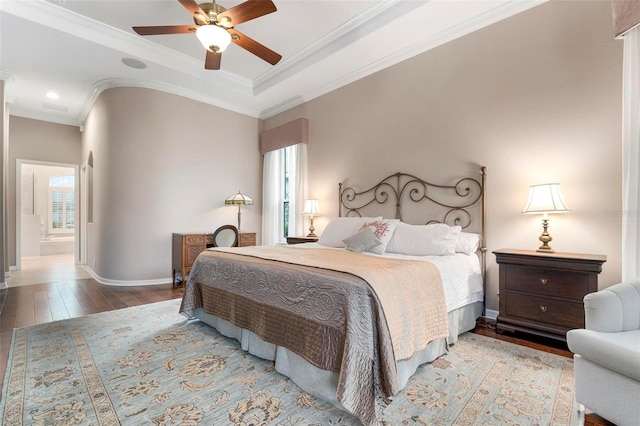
(614, 309)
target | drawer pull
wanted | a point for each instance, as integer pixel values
(543, 281)
(543, 308)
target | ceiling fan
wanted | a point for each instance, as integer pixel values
(214, 27)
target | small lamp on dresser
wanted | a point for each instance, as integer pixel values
(311, 208)
(545, 199)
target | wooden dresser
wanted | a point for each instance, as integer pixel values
(185, 248)
(542, 293)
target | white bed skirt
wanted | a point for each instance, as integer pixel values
(323, 383)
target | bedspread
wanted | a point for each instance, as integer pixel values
(341, 311)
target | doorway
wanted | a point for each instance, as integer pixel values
(46, 213)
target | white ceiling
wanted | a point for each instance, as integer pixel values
(76, 47)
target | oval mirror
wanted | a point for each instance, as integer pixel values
(225, 236)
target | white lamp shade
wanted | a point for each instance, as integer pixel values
(545, 198)
(213, 38)
(311, 207)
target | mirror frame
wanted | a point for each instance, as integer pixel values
(223, 228)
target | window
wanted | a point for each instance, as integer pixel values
(62, 204)
(284, 192)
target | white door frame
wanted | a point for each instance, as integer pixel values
(82, 258)
(77, 234)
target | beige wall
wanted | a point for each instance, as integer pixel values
(163, 164)
(36, 140)
(535, 98)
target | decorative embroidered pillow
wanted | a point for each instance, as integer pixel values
(340, 228)
(364, 240)
(383, 230)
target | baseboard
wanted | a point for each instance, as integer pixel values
(490, 314)
(3, 285)
(127, 283)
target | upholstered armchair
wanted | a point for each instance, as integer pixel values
(607, 354)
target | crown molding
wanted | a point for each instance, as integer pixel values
(381, 13)
(342, 36)
(45, 13)
(50, 117)
(460, 29)
(103, 85)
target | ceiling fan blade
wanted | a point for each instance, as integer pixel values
(260, 50)
(195, 11)
(166, 29)
(212, 60)
(248, 10)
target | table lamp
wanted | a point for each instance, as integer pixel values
(311, 208)
(545, 199)
(238, 199)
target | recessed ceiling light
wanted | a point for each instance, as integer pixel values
(52, 95)
(134, 63)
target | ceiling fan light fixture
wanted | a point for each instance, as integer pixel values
(213, 38)
(225, 21)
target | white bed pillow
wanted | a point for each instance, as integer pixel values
(340, 228)
(382, 229)
(437, 239)
(364, 240)
(467, 242)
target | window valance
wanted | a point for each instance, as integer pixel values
(291, 133)
(626, 15)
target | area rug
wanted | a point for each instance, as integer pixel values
(149, 365)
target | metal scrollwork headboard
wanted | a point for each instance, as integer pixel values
(461, 203)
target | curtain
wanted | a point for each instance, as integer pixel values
(272, 195)
(298, 189)
(631, 156)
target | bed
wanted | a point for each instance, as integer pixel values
(350, 318)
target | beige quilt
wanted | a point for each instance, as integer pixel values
(345, 312)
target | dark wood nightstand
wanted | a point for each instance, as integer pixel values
(542, 293)
(300, 240)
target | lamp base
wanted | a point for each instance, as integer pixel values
(549, 250)
(545, 238)
(312, 230)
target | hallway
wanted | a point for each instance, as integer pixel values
(47, 269)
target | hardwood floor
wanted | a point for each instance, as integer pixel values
(23, 305)
(547, 345)
(27, 305)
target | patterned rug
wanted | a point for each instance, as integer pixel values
(148, 365)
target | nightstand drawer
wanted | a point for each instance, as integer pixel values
(548, 282)
(545, 310)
